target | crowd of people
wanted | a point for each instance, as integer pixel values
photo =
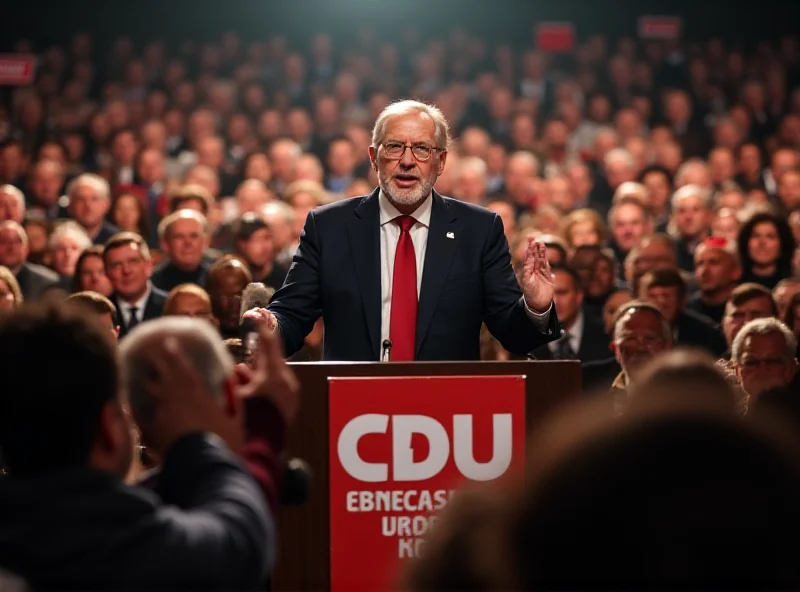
(158, 181)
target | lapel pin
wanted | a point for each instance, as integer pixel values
(451, 235)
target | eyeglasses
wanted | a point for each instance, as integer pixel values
(647, 341)
(396, 150)
(770, 364)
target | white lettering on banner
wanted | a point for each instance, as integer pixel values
(409, 548)
(403, 428)
(347, 447)
(403, 466)
(501, 448)
(409, 501)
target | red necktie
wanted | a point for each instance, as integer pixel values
(403, 323)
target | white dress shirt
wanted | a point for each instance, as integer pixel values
(390, 234)
(125, 307)
(575, 336)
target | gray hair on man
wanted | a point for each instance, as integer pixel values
(185, 214)
(91, 180)
(411, 107)
(634, 306)
(73, 230)
(15, 192)
(471, 163)
(619, 155)
(687, 191)
(199, 340)
(279, 208)
(765, 326)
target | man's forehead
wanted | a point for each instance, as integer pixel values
(769, 342)
(637, 318)
(757, 303)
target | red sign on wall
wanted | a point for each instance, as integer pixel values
(398, 449)
(17, 69)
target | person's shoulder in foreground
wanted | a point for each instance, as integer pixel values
(67, 446)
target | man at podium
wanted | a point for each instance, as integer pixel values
(406, 274)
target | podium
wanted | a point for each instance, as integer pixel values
(304, 531)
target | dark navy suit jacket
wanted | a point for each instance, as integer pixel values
(467, 280)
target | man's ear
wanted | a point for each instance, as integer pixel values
(442, 161)
(373, 158)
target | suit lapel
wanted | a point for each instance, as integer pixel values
(363, 233)
(443, 237)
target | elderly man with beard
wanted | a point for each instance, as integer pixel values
(405, 274)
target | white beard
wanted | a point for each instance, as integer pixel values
(406, 197)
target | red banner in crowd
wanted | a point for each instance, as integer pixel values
(17, 69)
(660, 27)
(555, 37)
(398, 449)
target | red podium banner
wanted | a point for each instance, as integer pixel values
(399, 447)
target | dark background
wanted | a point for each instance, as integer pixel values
(47, 22)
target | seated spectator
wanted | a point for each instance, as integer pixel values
(10, 294)
(184, 236)
(72, 438)
(253, 242)
(227, 279)
(725, 224)
(640, 332)
(583, 337)
(33, 279)
(766, 246)
(12, 204)
(690, 221)
(90, 272)
(583, 227)
(67, 243)
(189, 300)
(280, 218)
(38, 232)
(614, 302)
(666, 289)
(602, 282)
(746, 303)
(304, 196)
(716, 265)
(129, 214)
(629, 221)
(653, 252)
(784, 292)
(763, 354)
(100, 306)
(129, 266)
(89, 202)
(191, 197)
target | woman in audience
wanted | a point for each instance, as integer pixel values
(90, 272)
(67, 243)
(256, 165)
(128, 214)
(766, 246)
(10, 294)
(38, 232)
(583, 227)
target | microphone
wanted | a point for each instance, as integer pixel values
(297, 480)
(387, 348)
(255, 295)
